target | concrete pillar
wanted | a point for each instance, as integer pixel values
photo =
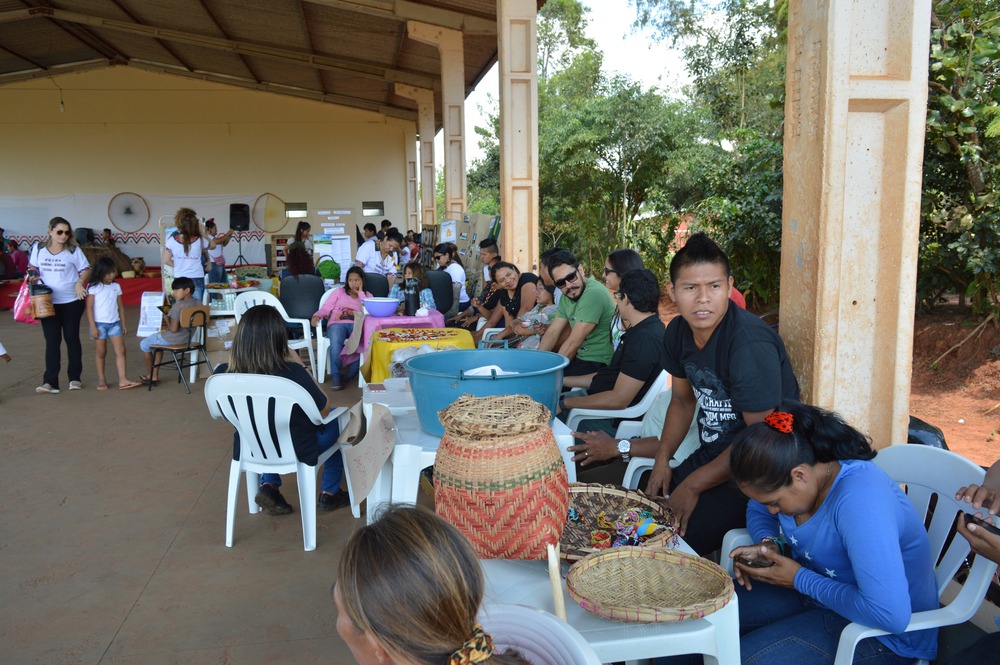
(424, 98)
(412, 200)
(450, 45)
(856, 101)
(518, 44)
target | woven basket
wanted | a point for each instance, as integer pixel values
(589, 499)
(648, 585)
(499, 476)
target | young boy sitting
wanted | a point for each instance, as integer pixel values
(182, 288)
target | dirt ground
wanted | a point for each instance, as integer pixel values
(961, 395)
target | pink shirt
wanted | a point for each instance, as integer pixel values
(340, 307)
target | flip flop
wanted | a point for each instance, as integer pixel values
(145, 380)
(129, 385)
(103, 386)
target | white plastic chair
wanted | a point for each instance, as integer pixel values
(256, 406)
(638, 410)
(248, 299)
(926, 472)
(322, 341)
(541, 637)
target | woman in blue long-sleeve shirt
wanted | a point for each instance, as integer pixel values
(843, 543)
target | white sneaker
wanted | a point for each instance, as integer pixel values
(75, 385)
(46, 388)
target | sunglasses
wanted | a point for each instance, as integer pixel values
(438, 256)
(568, 279)
(610, 271)
(62, 233)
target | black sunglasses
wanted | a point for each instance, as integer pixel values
(568, 278)
(608, 271)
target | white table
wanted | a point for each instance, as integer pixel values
(399, 479)
(717, 636)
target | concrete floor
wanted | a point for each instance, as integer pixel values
(112, 530)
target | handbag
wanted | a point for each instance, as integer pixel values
(23, 311)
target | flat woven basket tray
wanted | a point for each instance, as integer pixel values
(648, 585)
(589, 500)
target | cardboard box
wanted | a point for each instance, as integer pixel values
(219, 342)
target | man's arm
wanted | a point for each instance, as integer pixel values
(581, 381)
(551, 336)
(675, 427)
(573, 343)
(625, 390)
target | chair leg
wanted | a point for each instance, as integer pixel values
(234, 488)
(180, 371)
(306, 478)
(253, 486)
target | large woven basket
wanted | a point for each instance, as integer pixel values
(644, 584)
(499, 476)
(590, 499)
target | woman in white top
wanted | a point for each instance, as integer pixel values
(217, 269)
(183, 251)
(446, 255)
(304, 235)
(62, 266)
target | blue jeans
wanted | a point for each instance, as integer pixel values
(216, 274)
(333, 469)
(781, 626)
(338, 333)
(199, 288)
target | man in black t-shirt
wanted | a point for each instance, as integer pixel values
(635, 363)
(736, 369)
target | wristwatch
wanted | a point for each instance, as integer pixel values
(624, 449)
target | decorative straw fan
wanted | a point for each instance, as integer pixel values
(128, 212)
(269, 213)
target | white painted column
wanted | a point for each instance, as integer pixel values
(518, 43)
(856, 103)
(412, 200)
(424, 98)
(450, 46)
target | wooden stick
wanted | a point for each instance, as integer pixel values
(555, 579)
(978, 329)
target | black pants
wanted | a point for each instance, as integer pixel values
(577, 367)
(63, 325)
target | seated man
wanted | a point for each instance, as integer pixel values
(587, 309)
(735, 368)
(635, 363)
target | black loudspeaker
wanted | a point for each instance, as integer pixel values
(239, 217)
(84, 236)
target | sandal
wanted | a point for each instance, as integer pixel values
(129, 385)
(145, 380)
(102, 386)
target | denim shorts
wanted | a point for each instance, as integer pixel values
(106, 330)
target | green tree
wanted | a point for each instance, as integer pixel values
(960, 226)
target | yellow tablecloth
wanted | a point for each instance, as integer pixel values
(388, 340)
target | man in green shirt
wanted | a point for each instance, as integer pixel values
(587, 308)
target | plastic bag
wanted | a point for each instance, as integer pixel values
(23, 311)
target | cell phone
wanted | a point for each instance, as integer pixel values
(982, 524)
(376, 388)
(755, 562)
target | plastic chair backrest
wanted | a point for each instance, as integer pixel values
(542, 638)
(927, 473)
(377, 285)
(248, 299)
(301, 295)
(260, 408)
(439, 283)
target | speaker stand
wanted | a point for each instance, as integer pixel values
(240, 259)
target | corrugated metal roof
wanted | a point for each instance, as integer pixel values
(347, 52)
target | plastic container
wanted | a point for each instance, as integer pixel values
(381, 306)
(438, 379)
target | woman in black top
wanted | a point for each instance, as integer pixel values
(517, 296)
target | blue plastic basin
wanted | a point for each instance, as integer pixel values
(438, 379)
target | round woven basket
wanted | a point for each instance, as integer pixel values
(648, 585)
(499, 476)
(590, 499)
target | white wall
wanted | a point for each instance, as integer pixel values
(166, 137)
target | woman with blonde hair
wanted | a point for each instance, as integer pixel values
(184, 250)
(408, 591)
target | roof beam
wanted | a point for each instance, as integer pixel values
(231, 46)
(404, 10)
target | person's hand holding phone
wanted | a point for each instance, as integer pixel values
(983, 535)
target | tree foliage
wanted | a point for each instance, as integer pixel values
(960, 224)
